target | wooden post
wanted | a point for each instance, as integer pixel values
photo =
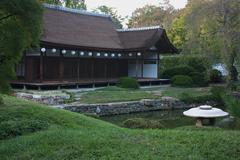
(158, 62)
(61, 68)
(92, 70)
(41, 66)
(136, 68)
(105, 70)
(142, 64)
(78, 69)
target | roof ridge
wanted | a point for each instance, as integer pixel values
(139, 29)
(83, 12)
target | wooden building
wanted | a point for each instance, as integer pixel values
(79, 47)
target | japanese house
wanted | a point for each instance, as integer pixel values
(80, 47)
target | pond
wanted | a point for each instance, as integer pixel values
(169, 118)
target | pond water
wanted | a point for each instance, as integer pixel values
(169, 118)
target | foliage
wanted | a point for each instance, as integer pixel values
(20, 27)
(177, 32)
(128, 82)
(142, 123)
(199, 79)
(218, 92)
(182, 81)
(75, 4)
(150, 15)
(16, 127)
(177, 91)
(233, 105)
(188, 98)
(178, 70)
(193, 66)
(75, 136)
(1, 100)
(215, 76)
(199, 63)
(116, 18)
(217, 34)
(71, 97)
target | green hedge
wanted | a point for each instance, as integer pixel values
(193, 66)
(188, 98)
(199, 79)
(178, 70)
(1, 100)
(182, 81)
(215, 76)
(128, 82)
(199, 63)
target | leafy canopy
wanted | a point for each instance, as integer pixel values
(20, 28)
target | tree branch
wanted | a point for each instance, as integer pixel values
(8, 16)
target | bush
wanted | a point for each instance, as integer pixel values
(1, 100)
(199, 63)
(215, 76)
(186, 97)
(218, 92)
(142, 123)
(178, 70)
(128, 82)
(13, 128)
(182, 81)
(233, 105)
(199, 79)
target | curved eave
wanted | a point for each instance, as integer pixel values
(67, 46)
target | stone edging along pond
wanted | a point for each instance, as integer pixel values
(164, 103)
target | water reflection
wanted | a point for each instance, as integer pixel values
(169, 118)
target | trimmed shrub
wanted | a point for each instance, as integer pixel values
(198, 79)
(128, 82)
(13, 128)
(187, 98)
(178, 70)
(199, 63)
(182, 81)
(218, 92)
(233, 105)
(142, 123)
(1, 100)
(215, 76)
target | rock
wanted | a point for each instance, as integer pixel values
(127, 107)
(228, 123)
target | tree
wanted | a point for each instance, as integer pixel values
(75, 4)
(151, 15)
(177, 32)
(117, 19)
(20, 28)
(218, 33)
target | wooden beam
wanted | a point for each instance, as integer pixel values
(78, 69)
(105, 70)
(158, 64)
(92, 70)
(61, 67)
(41, 67)
(142, 64)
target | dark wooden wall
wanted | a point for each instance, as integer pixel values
(75, 69)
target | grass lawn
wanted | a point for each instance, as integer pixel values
(63, 135)
(177, 91)
(115, 94)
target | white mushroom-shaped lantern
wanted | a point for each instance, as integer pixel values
(205, 112)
